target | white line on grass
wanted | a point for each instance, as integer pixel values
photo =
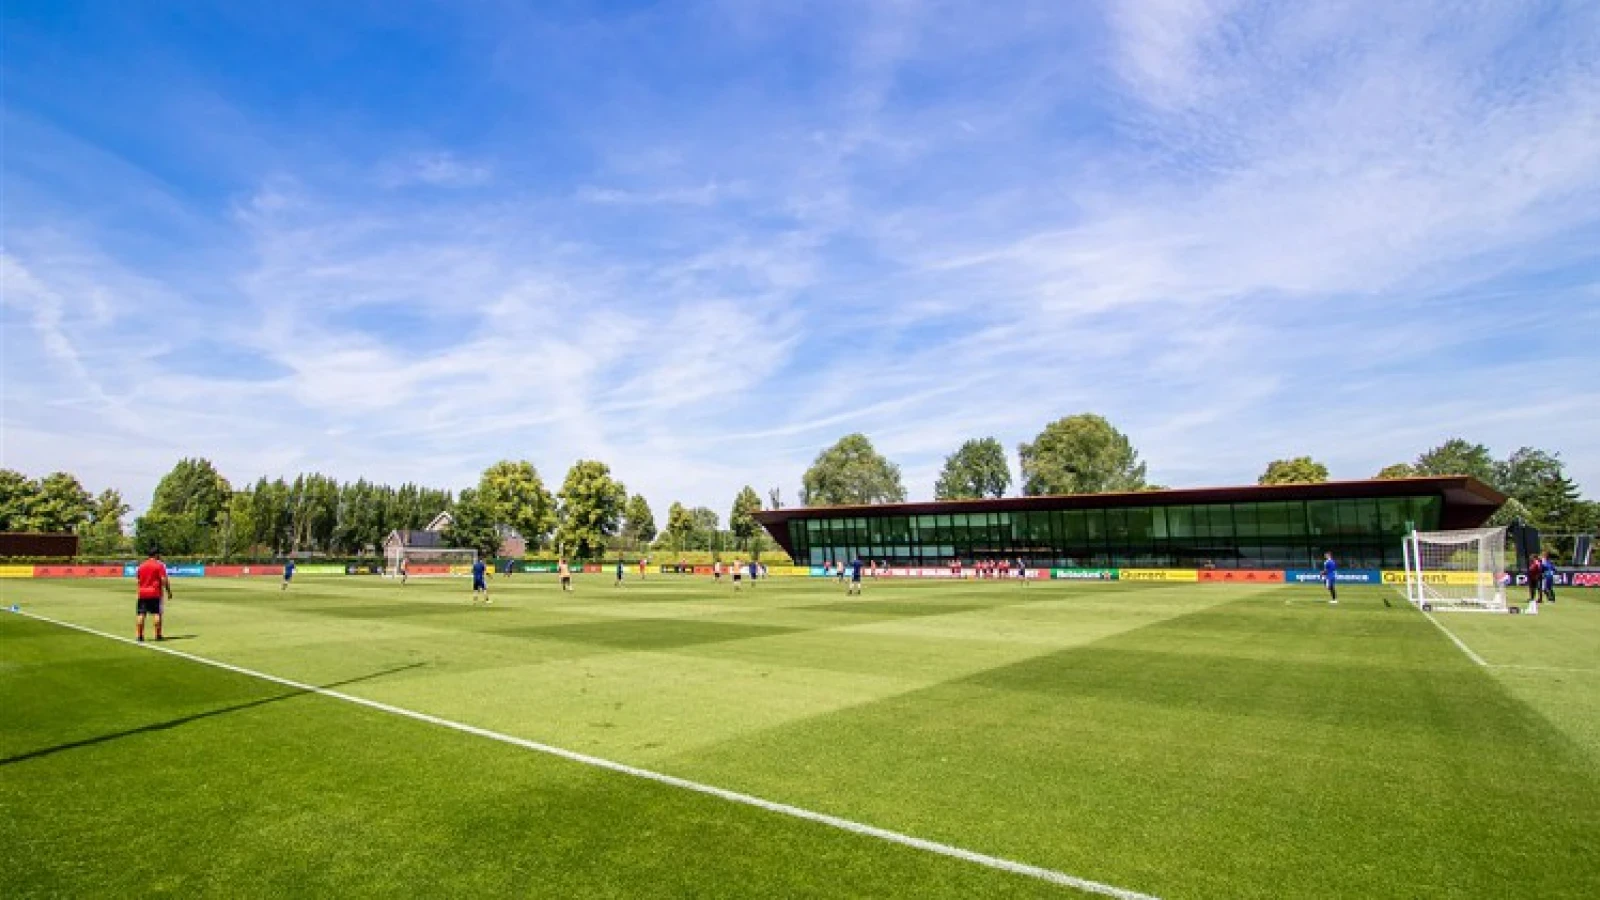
(1458, 642)
(883, 834)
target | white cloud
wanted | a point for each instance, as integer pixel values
(1241, 230)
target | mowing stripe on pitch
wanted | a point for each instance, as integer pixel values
(1457, 641)
(883, 834)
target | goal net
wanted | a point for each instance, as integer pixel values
(424, 562)
(1457, 570)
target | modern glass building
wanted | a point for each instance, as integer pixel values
(1254, 527)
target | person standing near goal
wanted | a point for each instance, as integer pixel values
(480, 580)
(1547, 580)
(1535, 578)
(154, 586)
(1330, 577)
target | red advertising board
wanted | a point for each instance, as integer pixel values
(427, 570)
(77, 571)
(241, 571)
(1251, 576)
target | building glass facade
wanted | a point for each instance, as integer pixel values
(1362, 532)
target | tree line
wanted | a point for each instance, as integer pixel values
(195, 511)
(1086, 454)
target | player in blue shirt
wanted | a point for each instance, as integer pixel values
(479, 581)
(1330, 577)
(1547, 579)
(619, 573)
(288, 574)
(855, 577)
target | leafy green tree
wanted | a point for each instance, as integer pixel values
(270, 515)
(1527, 472)
(60, 505)
(1510, 512)
(680, 527)
(591, 509)
(174, 534)
(639, 524)
(742, 520)
(102, 534)
(1398, 470)
(17, 495)
(1556, 504)
(977, 469)
(1080, 454)
(1300, 470)
(1457, 457)
(706, 529)
(517, 498)
(851, 472)
(237, 528)
(193, 488)
(472, 525)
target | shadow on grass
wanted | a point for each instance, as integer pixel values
(174, 723)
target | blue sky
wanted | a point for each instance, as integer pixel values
(701, 241)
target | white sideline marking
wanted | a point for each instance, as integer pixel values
(1458, 642)
(884, 834)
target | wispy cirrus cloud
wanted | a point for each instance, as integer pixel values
(702, 244)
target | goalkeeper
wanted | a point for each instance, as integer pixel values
(1330, 577)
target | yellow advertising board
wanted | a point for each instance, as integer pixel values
(1451, 579)
(1158, 574)
(16, 571)
(788, 571)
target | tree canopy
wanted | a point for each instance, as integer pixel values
(472, 524)
(851, 472)
(1080, 454)
(515, 496)
(742, 519)
(680, 527)
(638, 522)
(193, 488)
(1299, 470)
(978, 468)
(1457, 457)
(591, 509)
(1397, 470)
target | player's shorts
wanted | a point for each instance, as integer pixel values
(737, 576)
(288, 576)
(478, 584)
(566, 579)
(856, 578)
(150, 606)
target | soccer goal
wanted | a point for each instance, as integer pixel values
(1457, 570)
(426, 562)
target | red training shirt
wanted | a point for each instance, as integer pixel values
(151, 571)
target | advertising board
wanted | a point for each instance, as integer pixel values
(1243, 576)
(1168, 575)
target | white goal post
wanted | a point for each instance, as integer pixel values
(1457, 570)
(426, 562)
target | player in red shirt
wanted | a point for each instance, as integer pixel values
(153, 587)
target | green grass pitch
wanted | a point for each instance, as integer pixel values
(1174, 740)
